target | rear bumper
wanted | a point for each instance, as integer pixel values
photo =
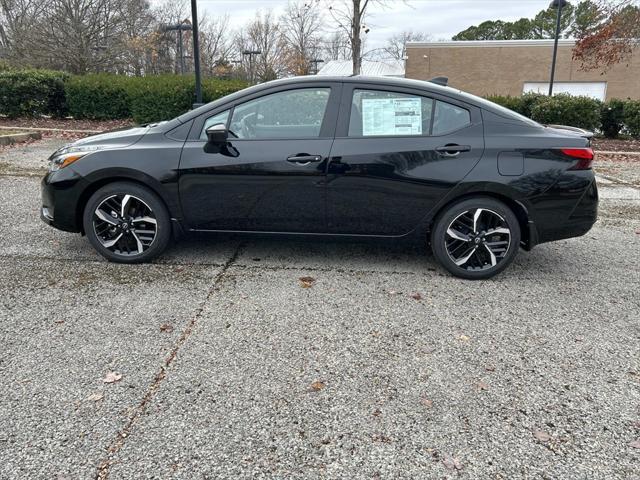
(572, 218)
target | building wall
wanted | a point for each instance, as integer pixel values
(502, 67)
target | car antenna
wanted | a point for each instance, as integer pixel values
(440, 81)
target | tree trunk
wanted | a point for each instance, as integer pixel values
(356, 44)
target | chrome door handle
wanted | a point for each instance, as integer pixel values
(452, 150)
(304, 159)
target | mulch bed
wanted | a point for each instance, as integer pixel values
(616, 145)
(71, 124)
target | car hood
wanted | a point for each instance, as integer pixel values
(122, 137)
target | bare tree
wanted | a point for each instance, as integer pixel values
(215, 45)
(261, 34)
(76, 35)
(300, 27)
(396, 46)
(336, 46)
(349, 16)
(17, 20)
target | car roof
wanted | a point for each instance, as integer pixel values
(382, 81)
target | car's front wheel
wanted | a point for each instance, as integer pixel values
(127, 223)
(476, 238)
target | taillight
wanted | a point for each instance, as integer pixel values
(583, 155)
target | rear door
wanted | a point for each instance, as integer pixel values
(397, 152)
(270, 177)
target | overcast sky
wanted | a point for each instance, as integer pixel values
(439, 18)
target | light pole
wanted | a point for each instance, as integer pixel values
(555, 4)
(251, 54)
(196, 53)
(179, 27)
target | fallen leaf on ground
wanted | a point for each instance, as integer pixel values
(482, 385)
(452, 463)
(490, 368)
(94, 397)
(307, 282)
(427, 403)
(377, 412)
(541, 436)
(317, 386)
(635, 444)
(416, 296)
(166, 327)
(59, 322)
(112, 377)
(463, 338)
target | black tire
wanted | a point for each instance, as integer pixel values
(141, 234)
(481, 253)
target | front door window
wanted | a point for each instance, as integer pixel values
(291, 114)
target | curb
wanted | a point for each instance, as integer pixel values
(10, 139)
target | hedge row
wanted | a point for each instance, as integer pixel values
(104, 96)
(144, 99)
(29, 92)
(611, 118)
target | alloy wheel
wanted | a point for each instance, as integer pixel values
(125, 225)
(477, 239)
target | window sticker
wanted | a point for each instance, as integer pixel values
(391, 116)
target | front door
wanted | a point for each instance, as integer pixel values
(396, 154)
(271, 175)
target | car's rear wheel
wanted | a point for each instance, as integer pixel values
(476, 238)
(127, 223)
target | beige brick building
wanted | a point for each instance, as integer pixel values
(510, 67)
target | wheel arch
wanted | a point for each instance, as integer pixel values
(527, 230)
(106, 179)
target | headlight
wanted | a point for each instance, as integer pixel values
(69, 154)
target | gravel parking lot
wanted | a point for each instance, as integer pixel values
(217, 361)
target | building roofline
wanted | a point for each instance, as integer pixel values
(491, 43)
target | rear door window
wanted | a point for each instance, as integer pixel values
(381, 113)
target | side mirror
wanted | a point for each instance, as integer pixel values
(217, 134)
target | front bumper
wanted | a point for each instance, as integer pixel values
(61, 193)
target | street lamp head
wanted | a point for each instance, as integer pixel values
(251, 52)
(558, 4)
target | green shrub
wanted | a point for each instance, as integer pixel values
(166, 96)
(529, 101)
(98, 97)
(631, 113)
(28, 93)
(612, 117)
(564, 109)
(522, 104)
(512, 103)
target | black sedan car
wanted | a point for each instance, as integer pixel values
(322, 156)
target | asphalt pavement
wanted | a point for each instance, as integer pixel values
(218, 361)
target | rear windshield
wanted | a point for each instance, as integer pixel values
(499, 109)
